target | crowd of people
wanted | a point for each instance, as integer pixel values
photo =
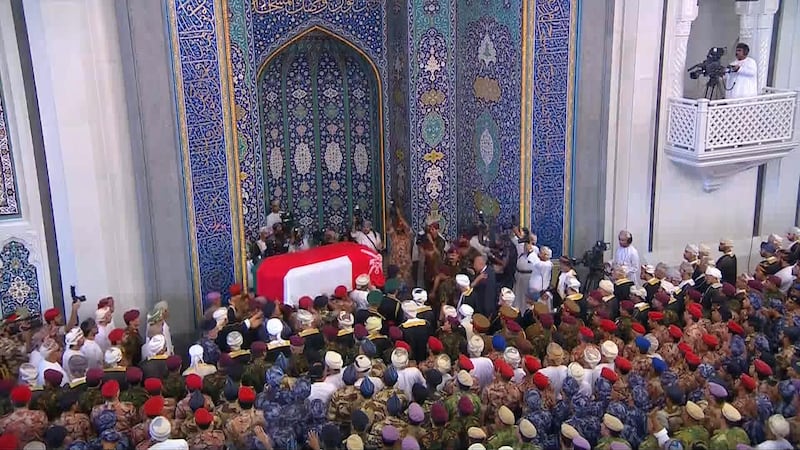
(656, 357)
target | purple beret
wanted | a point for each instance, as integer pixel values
(409, 443)
(717, 390)
(415, 413)
(389, 434)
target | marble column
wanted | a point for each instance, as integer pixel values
(755, 29)
(685, 13)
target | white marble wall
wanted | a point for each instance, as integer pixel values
(683, 212)
(78, 73)
(28, 228)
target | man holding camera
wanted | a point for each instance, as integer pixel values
(366, 236)
(743, 78)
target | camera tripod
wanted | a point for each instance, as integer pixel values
(711, 87)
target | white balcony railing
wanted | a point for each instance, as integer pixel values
(721, 137)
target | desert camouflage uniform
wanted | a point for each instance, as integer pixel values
(27, 424)
(239, 428)
(140, 432)
(183, 411)
(127, 415)
(340, 409)
(498, 393)
(77, 424)
(375, 438)
(432, 438)
(226, 410)
(382, 397)
(207, 440)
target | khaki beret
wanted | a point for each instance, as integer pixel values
(612, 423)
(572, 306)
(695, 411)
(568, 431)
(731, 413)
(505, 415)
(526, 429)
(354, 442)
(476, 433)
(480, 322)
(554, 350)
(540, 308)
(508, 312)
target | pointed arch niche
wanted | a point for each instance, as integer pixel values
(320, 109)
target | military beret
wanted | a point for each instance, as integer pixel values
(546, 320)
(586, 332)
(9, 440)
(637, 327)
(394, 406)
(499, 342)
(360, 419)
(695, 411)
(540, 380)
(572, 306)
(203, 417)
(755, 285)
(642, 343)
(612, 423)
(194, 382)
(526, 429)
(350, 375)
(110, 389)
(330, 436)
(717, 390)
(608, 325)
(373, 298)
(659, 365)
(626, 305)
(465, 406)
(153, 406)
(21, 394)
(730, 413)
(655, 316)
(762, 368)
(710, 340)
(622, 364)
(596, 295)
(247, 395)
(392, 285)
(675, 332)
(174, 362)
(513, 326)
(569, 320)
(694, 294)
(476, 433)
(748, 382)
(390, 434)
(439, 413)
(609, 374)
(579, 442)
(728, 289)
(505, 370)
(94, 376)
(54, 436)
(735, 328)
(675, 393)
(53, 377)
(416, 415)
(321, 301)
(152, 385)
(51, 314)
(305, 302)
(116, 335)
(685, 347)
(532, 363)
(692, 359)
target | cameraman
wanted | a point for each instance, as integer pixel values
(743, 78)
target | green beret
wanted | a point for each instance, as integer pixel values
(374, 297)
(392, 285)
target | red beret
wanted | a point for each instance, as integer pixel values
(53, 377)
(710, 340)
(439, 413)
(596, 295)
(340, 292)
(21, 394)
(154, 406)
(662, 297)
(748, 382)
(655, 316)
(105, 301)
(685, 347)
(9, 440)
(174, 362)
(330, 332)
(110, 389)
(609, 374)
(774, 280)
(755, 285)
(116, 335)
(306, 303)
(133, 375)
(296, 340)
(602, 313)
(465, 406)
(675, 332)
(258, 348)
(203, 417)
(728, 289)
(505, 370)
(540, 380)
(513, 326)
(694, 294)
(94, 375)
(569, 320)
(695, 310)
(692, 359)
(735, 328)
(130, 316)
(762, 368)
(435, 345)
(627, 305)
(622, 364)
(532, 363)
(546, 320)
(608, 325)
(586, 332)
(152, 385)
(247, 394)
(402, 344)
(235, 289)
(194, 382)
(51, 314)
(465, 363)
(637, 327)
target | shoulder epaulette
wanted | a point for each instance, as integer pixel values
(771, 260)
(344, 332)
(575, 297)
(467, 292)
(608, 298)
(276, 344)
(413, 323)
(653, 281)
(159, 357)
(308, 332)
(622, 281)
(423, 309)
(237, 353)
(77, 383)
(376, 336)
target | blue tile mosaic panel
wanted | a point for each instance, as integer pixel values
(9, 205)
(19, 283)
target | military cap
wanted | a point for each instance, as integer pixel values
(637, 327)
(354, 442)
(730, 413)
(508, 312)
(695, 411)
(154, 406)
(480, 323)
(568, 431)
(476, 433)
(505, 415)
(526, 429)
(572, 306)
(476, 446)
(464, 378)
(612, 423)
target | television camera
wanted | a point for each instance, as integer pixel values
(710, 68)
(593, 260)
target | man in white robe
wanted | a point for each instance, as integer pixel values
(743, 78)
(627, 256)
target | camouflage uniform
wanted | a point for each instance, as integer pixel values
(375, 439)
(77, 424)
(207, 440)
(12, 356)
(432, 438)
(382, 397)
(240, 427)
(183, 411)
(253, 374)
(131, 347)
(127, 416)
(452, 343)
(692, 435)
(451, 403)
(343, 402)
(505, 435)
(27, 424)
(728, 439)
(605, 442)
(135, 395)
(47, 401)
(89, 399)
(140, 432)
(498, 393)
(173, 386)
(226, 410)
(213, 385)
